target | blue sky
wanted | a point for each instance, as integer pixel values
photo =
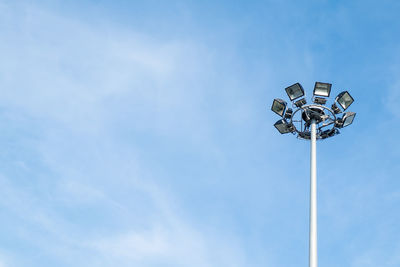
(139, 133)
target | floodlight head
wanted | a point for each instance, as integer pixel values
(283, 126)
(319, 100)
(294, 91)
(301, 102)
(344, 99)
(348, 118)
(279, 106)
(322, 89)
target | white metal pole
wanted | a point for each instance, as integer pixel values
(313, 259)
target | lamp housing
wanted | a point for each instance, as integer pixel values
(283, 126)
(322, 89)
(279, 106)
(348, 118)
(294, 91)
(344, 99)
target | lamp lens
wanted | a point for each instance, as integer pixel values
(278, 107)
(348, 120)
(282, 126)
(294, 91)
(322, 89)
(345, 100)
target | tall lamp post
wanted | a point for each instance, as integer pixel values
(313, 122)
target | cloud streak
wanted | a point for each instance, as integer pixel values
(92, 201)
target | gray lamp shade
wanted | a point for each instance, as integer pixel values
(294, 91)
(322, 89)
(344, 99)
(348, 118)
(279, 106)
(283, 127)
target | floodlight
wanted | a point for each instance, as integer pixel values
(336, 109)
(279, 106)
(319, 100)
(283, 126)
(300, 103)
(348, 118)
(322, 89)
(344, 99)
(295, 91)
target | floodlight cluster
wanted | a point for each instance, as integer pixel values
(297, 119)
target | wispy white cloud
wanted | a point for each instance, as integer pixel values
(79, 87)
